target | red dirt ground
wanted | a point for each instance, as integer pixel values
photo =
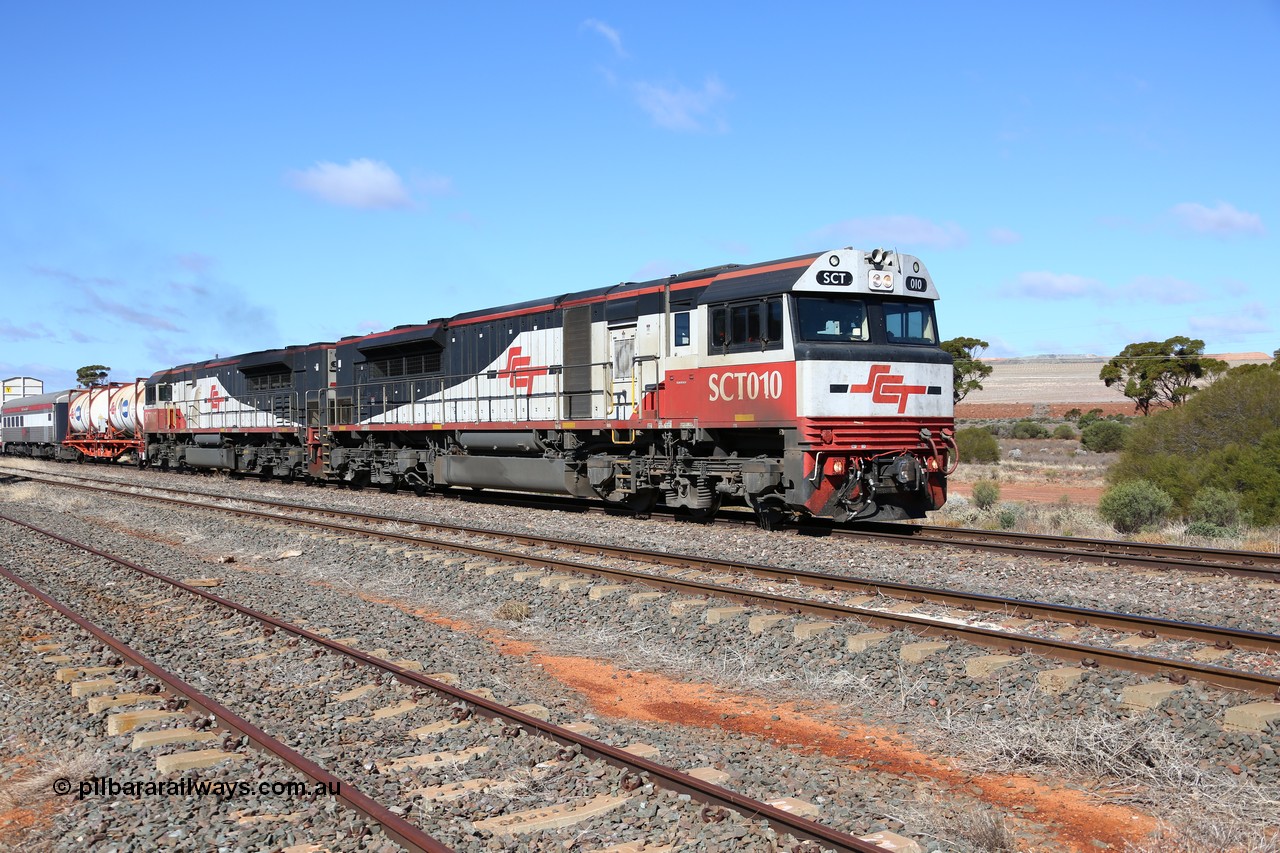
(1036, 493)
(1076, 820)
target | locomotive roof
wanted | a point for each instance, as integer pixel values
(711, 284)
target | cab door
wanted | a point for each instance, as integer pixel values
(622, 379)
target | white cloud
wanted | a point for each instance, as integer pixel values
(1163, 290)
(609, 33)
(1250, 319)
(1048, 285)
(1003, 236)
(1222, 221)
(364, 184)
(433, 184)
(26, 332)
(678, 108)
(195, 262)
(895, 231)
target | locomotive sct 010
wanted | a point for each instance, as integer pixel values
(805, 386)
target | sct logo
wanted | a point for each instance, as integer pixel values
(886, 387)
(519, 371)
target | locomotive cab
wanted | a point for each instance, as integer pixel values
(874, 404)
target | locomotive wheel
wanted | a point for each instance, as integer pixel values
(772, 514)
(421, 489)
(641, 503)
(701, 513)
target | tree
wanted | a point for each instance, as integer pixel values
(91, 375)
(1226, 437)
(967, 371)
(1161, 373)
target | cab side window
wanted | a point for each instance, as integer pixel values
(746, 326)
(680, 329)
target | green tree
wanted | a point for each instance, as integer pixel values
(1161, 373)
(1227, 437)
(967, 370)
(91, 375)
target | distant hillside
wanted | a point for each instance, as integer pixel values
(1037, 382)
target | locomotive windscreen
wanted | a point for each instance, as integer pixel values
(909, 323)
(827, 320)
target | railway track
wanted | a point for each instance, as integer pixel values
(1088, 637)
(1254, 564)
(1110, 552)
(466, 723)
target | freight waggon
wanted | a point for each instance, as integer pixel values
(806, 386)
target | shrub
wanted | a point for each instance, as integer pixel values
(1072, 414)
(1216, 507)
(1104, 436)
(1131, 506)
(1209, 530)
(1091, 417)
(1064, 431)
(986, 493)
(1226, 436)
(977, 445)
(1009, 515)
(1029, 429)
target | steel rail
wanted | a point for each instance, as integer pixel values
(1221, 636)
(667, 777)
(1254, 564)
(396, 827)
(999, 640)
(1111, 552)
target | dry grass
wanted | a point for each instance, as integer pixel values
(962, 826)
(34, 784)
(1139, 759)
(1209, 836)
(513, 611)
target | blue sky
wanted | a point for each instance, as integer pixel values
(179, 181)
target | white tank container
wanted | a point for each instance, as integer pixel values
(87, 409)
(122, 407)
